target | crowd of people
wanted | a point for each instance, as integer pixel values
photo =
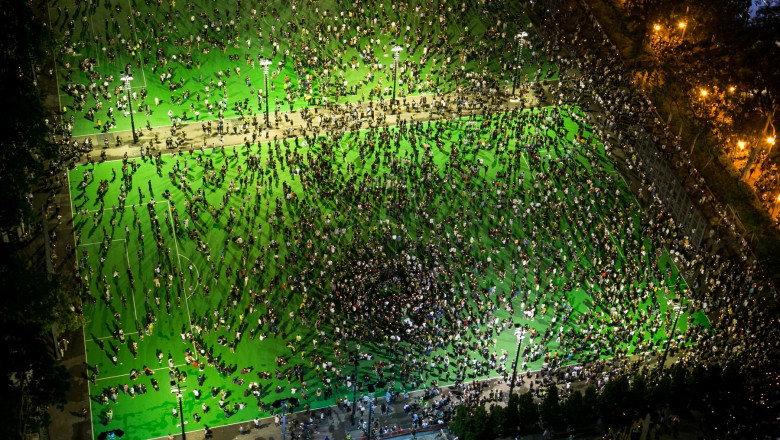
(348, 238)
(202, 62)
(426, 241)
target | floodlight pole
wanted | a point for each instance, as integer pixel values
(514, 368)
(396, 50)
(669, 339)
(370, 410)
(265, 63)
(181, 409)
(518, 51)
(284, 420)
(126, 80)
(354, 387)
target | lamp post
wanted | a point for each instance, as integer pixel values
(741, 145)
(354, 387)
(518, 52)
(370, 408)
(126, 81)
(753, 153)
(678, 309)
(517, 359)
(284, 420)
(178, 390)
(777, 206)
(266, 63)
(682, 25)
(396, 50)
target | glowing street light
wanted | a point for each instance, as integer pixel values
(741, 145)
(732, 89)
(777, 206)
(746, 172)
(682, 25)
(704, 93)
(657, 27)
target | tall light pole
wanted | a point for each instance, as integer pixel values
(678, 309)
(266, 63)
(777, 206)
(354, 387)
(396, 50)
(753, 153)
(284, 420)
(370, 408)
(178, 390)
(682, 25)
(517, 359)
(126, 81)
(518, 53)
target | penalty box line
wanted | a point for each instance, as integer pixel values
(127, 261)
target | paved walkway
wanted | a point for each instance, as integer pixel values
(292, 124)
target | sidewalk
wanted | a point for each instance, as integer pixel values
(289, 125)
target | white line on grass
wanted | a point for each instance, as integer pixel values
(107, 337)
(91, 244)
(115, 207)
(138, 53)
(195, 266)
(178, 258)
(128, 374)
(81, 300)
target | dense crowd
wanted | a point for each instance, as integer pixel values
(533, 216)
(317, 48)
(522, 231)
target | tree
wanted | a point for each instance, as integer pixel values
(590, 405)
(639, 395)
(496, 422)
(550, 409)
(574, 410)
(662, 392)
(471, 424)
(510, 426)
(679, 388)
(528, 419)
(460, 425)
(30, 304)
(613, 400)
(25, 145)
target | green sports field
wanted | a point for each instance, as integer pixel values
(423, 245)
(201, 56)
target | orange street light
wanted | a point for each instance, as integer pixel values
(732, 89)
(777, 206)
(682, 25)
(657, 27)
(741, 145)
(770, 140)
(703, 92)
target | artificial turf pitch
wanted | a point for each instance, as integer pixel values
(151, 415)
(100, 39)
